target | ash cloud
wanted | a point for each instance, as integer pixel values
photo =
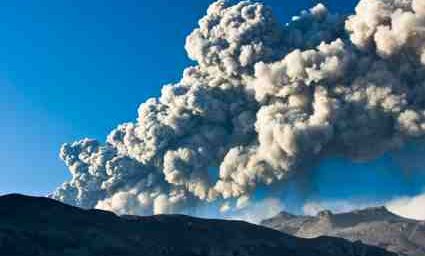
(264, 101)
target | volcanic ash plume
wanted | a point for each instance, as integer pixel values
(264, 101)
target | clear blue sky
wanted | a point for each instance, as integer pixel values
(74, 69)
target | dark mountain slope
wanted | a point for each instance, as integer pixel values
(40, 226)
(374, 226)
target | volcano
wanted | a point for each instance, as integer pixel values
(374, 226)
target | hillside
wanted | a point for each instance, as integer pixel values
(41, 226)
(374, 226)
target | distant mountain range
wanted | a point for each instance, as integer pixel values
(31, 226)
(374, 226)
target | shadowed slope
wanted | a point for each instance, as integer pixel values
(42, 226)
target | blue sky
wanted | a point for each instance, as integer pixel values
(75, 69)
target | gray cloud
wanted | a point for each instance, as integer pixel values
(264, 101)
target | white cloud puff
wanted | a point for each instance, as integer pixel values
(409, 207)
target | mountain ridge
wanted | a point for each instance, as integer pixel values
(374, 226)
(43, 226)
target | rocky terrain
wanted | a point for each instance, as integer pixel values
(373, 226)
(40, 226)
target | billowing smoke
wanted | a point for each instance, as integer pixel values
(264, 102)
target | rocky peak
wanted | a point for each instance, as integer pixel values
(375, 226)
